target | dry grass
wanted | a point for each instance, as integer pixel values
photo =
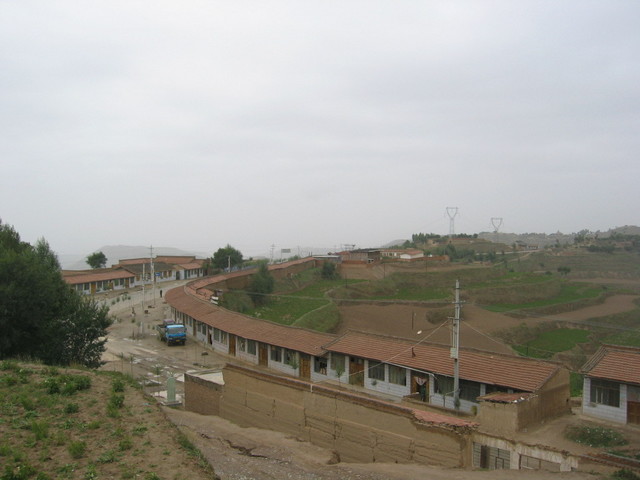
(66, 423)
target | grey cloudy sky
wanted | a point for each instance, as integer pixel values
(199, 123)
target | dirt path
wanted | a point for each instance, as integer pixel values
(612, 305)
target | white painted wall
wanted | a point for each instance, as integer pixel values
(605, 412)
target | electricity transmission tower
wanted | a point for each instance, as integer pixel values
(452, 212)
(497, 223)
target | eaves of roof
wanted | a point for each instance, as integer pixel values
(97, 277)
(491, 368)
(616, 363)
(299, 339)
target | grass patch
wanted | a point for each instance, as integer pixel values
(325, 319)
(287, 309)
(625, 474)
(551, 342)
(568, 293)
(576, 384)
(52, 426)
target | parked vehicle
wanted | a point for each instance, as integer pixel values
(171, 332)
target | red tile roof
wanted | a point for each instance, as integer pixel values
(299, 339)
(190, 266)
(175, 259)
(490, 368)
(614, 362)
(96, 276)
(133, 261)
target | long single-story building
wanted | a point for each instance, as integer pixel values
(388, 365)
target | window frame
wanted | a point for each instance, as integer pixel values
(605, 392)
(377, 371)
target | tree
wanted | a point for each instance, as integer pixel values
(329, 271)
(262, 284)
(97, 260)
(40, 315)
(225, 257)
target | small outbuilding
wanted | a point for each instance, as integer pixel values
(612, 384)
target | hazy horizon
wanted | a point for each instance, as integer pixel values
(283, 123)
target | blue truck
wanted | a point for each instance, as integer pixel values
(172, 333)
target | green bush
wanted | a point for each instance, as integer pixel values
(625, 474)
(40, 429)
(117, 385)
(125, 444)
(116, 400)
(595, 436)
(77, 448)
(71, 408)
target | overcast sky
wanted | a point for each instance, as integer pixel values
(196, 124)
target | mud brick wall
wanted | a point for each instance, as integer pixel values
(360, 429)
(201, 396)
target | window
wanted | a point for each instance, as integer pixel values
(605, 393)
(444, 385)
(251, 347)
(242, 344)
(276, 354)
(469, 390)
(337, 362)
(289, 357)
(397, 375)
(223, 337)
(376, 370)
(320, 365)
(216, 334)
(493, 388)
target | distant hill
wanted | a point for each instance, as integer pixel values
(114, 253)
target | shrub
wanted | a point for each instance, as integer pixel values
(40, 429)
(625, 474)
(125, 444)
(117, 385)
(77, 448)
(595, 436)
(116, 400)
(9, 365)
(107, 457)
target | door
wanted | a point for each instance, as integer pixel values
(263, 354)
(232, 345)
(420, 386)
(633, 412)
(356, 371)
(305, 366)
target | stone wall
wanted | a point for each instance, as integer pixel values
(359, 429)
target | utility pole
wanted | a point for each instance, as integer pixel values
(455, 348)
(497, 223)
(452, 212)
(153, 276)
